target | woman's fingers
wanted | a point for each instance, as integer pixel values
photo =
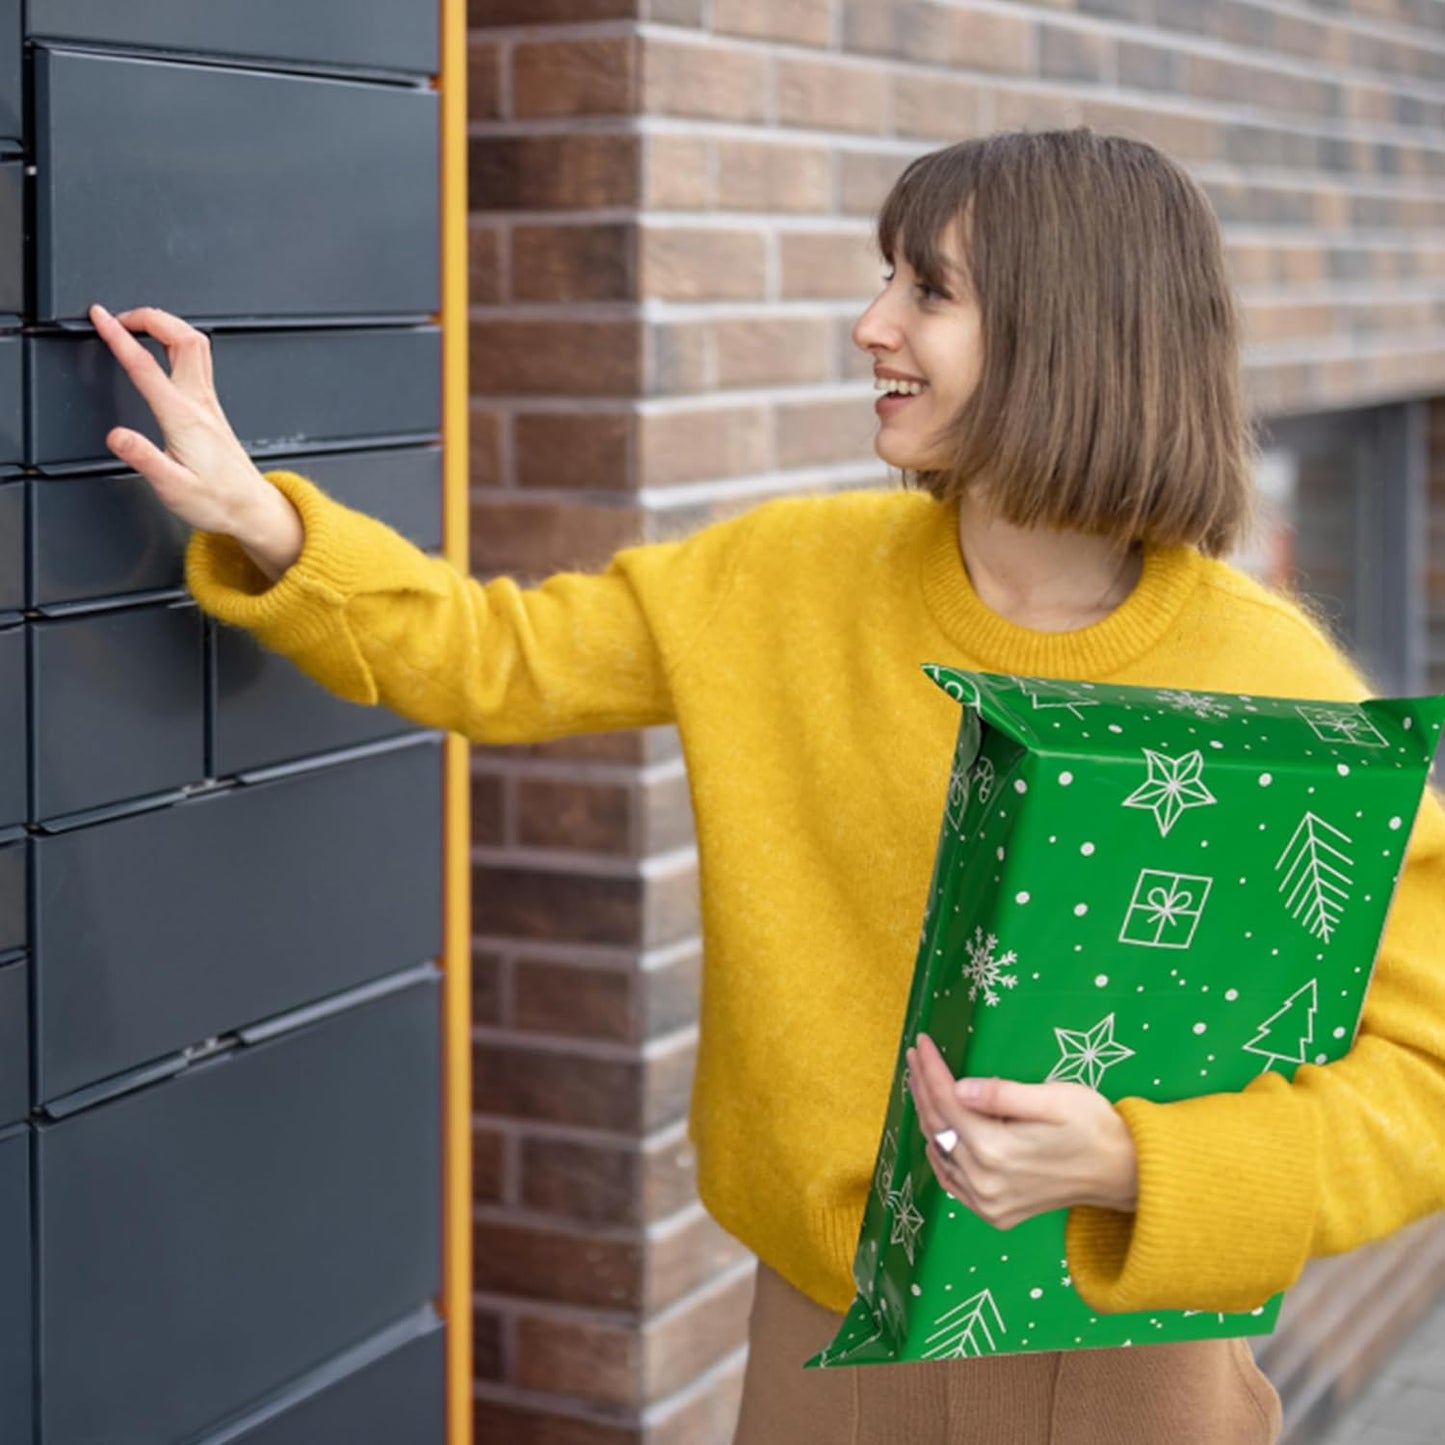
(188, 349)
(170, 479)
(160, 392)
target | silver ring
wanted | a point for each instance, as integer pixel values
(947, 1141)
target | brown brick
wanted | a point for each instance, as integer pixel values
(585, 449)
(481, 13)
(697, 1334)
(559, 1265)
(578, 358)
(1185, 137)
(498, 1420)
(483, 277)
(573, 263)
(705, 1414)
(678, 357)
(987, 40)
(588, 817)
(1069, 54)
(520, 902)
(519, 1082)
(690, 13)
(938, 34)
(805, 22)
(1021, 108)
(484, 453)
(1272, 323)
(484, 80)
(773, 350)
(552, 172)
(817, 265)
(668, 1085)
(535, 539)
(486, 972)
(831, 95)
(865, 178)
(941, 107)
(489, 1164)
(678, 172)
(575, 77)
(685, 1256)
(580, 1179)
(854, 364)
(710, 81)
(669, 1178)
(815, 433)
(487, 1347)
(766, 176)
(688, 263)
(669, 994)
(1148, 67)
(486, 793)
(586, 1359)
(690, 446)
(574, 1001)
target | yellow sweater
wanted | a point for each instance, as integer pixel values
(785, 644)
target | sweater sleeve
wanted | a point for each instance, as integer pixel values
(376, 620)
(1237, 1191)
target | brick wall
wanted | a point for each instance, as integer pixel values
(669, 244)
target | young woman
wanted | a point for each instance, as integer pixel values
(1057, 339)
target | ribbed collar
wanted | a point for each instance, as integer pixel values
(1169, 575)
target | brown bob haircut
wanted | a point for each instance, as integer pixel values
(1109, 399)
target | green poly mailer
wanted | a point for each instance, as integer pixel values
(1153, 892)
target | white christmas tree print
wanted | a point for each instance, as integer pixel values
(1305, 998)
(1172, 786)
(1086, 1054)
(1342, 725)
(967, 1330)
(907, 1221)
(983, 777)
(1207, 708)
(983, 972)
(1317, 878)
(1055, 695)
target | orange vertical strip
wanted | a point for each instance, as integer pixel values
(457, 923)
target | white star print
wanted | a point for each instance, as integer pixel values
(1171, 787)
(1087, 1054)
(907, 1221)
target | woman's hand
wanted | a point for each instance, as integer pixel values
(1022, 1149)
(204, 475)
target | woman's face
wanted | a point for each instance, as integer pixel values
(933, 337)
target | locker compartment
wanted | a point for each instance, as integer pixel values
(213, 191)
(268, 711)
(12, 397)
(14, 1043)
(12, 547)
(263, 1211)
(389, 1396)
(12, 727)
(14, 906)
(118, 706)
(12, 240)
(16, 1350)
(282, 390)
(12, 93)
(159, 930)
(393, 35)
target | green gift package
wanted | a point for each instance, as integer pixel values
(1153, 892)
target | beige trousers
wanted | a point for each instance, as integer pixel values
(1205, 1392)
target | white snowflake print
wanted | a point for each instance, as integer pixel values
(1087, 1053)
(1207, 708)
(1342, 725)
(985, 973)
(907, 1221)
(1172, 786)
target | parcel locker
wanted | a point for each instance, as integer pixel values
(117, 706)
(284, 389)
(12, 550)
(386, 1397)
(16, 1348)
(159, 930)
(12, 726)
(250, 208)
(14, 903)
(391, 35)
(262, 1211)
(14, 1042)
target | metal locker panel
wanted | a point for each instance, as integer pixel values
(401, 487)
(268, 711)
(12, 546)
(395, 1396)
(377, 35)
(101, 537)
(14, 903)
(263, 1211)
(12, 91)
(12, 242)
(16, 1348)
(14, 1043)
(220, 192)
(13, 807)
(12, 398)
(118, 706)
(282, 390)
(160, 930)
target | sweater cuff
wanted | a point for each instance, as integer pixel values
(1226, 1205)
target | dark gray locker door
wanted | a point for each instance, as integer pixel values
(12, 726)
(281, 390)
(12, 546)
(118, 706)
(12, 242)
(397, 1398)
(16, 1349)
(401, 487)
(12, 397)
(162, 929)
(14, 1043)
(12, 107)
(14, 904)
(368, 34)
(219, 192)
(208, 1239)
(98, 537)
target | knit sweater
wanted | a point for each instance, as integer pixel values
(785, 644)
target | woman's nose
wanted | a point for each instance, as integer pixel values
(876, 327)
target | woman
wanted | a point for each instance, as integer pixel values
(1059, 331)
